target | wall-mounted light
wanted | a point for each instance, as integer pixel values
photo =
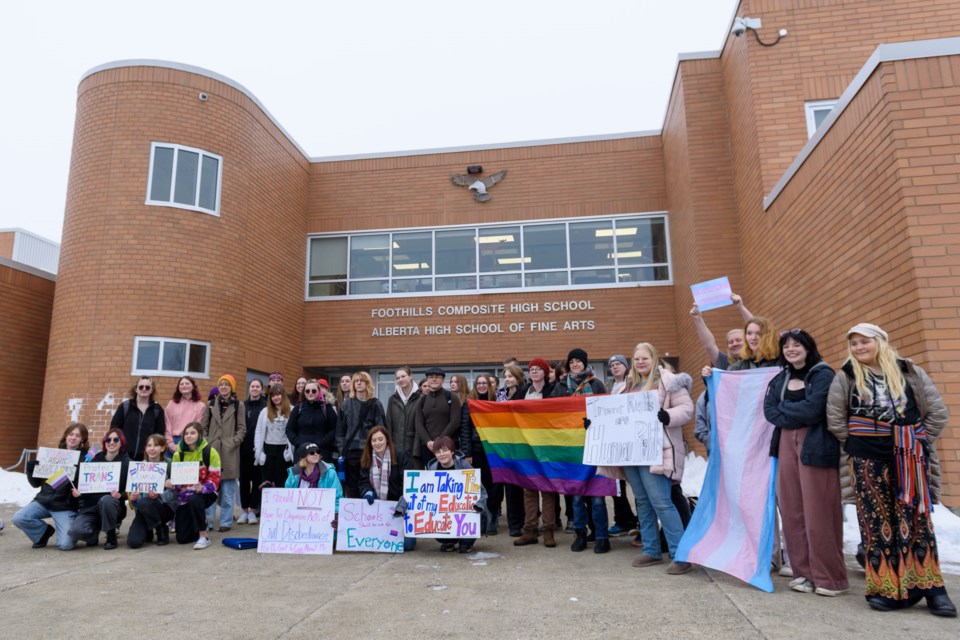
(742, 25)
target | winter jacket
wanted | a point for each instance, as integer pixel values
(438, 414)
(209, 480)
(701, 429)
(402, 422)
(225, 434)
(521, 393)
(460, 463)
(328, 480)
(178, 415)
(395, 488)
(136, 426)
(674, 395)
(820, 447)
(87, 502)
(933, 415)
(316, 422)
(562, 390)
(273, 432)
(470, 441)
(351, 434)
(253, 409)
(54, 498)
(744, 365)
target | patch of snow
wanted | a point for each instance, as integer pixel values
(482, 555)
(14, 488)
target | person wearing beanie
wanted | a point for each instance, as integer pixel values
(624, 520)
(887, 415)
(311, 472)
(225, 425)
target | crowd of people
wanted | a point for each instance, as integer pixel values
(865, 434)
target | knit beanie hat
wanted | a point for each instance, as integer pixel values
(868, 330)
(306, 449)
(618, 358)
(228, 378)
(540, 362)
(579, 354)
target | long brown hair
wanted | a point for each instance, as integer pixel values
(194, 395)
(491, 389)
(158, 440)
(277, 387)
(84, 436)
(463, 387)
(366, 458)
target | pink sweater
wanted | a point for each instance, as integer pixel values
(180, 414)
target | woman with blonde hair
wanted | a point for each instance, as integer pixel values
(760, 346)
(653, 485)
(359, 413)
(887, 413)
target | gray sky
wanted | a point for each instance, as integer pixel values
(358, 77)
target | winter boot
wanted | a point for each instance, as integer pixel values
(580, 542)
(163, 535)
(111, 542)
(528, 537)
(548, 540)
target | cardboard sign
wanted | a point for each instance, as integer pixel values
(297, 521)
(50, 459)
(369, 527)
(146, 477)
(624, 430)
(712, 294)
(440, 503)
(185, 472)
(99, 477)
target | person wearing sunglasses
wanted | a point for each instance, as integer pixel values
(139, 416)
(313, 420)
(103, 511)
(808, 477)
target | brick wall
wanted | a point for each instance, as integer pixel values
(24, 333)
(6, 244)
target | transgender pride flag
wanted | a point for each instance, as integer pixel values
(732, 528)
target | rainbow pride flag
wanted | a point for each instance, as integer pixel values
(538, 444)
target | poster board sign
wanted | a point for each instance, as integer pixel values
(712, 294)
(145, 477)
(440, 503)
(99, 477)
(50, 459)
(624, 430)
(369, 527)
(185, 472)
(298, 521)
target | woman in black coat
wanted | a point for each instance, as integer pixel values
(313, 420)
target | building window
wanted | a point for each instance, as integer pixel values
(628, 250)
(184, 177)
(817, 112)
(170, 357)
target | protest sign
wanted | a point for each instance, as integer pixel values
(99, 477)
(146, 477)
(440, 503)
(297, 521)
(712, 294)
(185, 472)
(369, 527)
(50, 459)
(624, 430)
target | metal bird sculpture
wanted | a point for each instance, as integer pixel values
(478, 186)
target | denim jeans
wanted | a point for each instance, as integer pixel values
(652, 493)
(229, 493)
(30, 521)
(598, 506)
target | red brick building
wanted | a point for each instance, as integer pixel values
(200, 237)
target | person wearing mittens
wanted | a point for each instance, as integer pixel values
(152, 511)
(225, 425)
(103, 511)
(194, 499)
(382, 467)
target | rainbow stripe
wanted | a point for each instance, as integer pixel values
(538, 444)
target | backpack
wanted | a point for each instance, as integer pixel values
(155, 407)
(204, 453)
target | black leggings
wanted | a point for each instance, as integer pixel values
(150, 514)
(191, 518)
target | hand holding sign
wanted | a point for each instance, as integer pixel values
(625, 430)
(711, 294)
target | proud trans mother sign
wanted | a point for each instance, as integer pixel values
(440, 503)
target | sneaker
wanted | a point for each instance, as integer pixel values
(803, 587)
(616, 531)
(243, 518)
(569, 527)
(465, 547)
(252, 518)
(820, 591)
(786, 571)
(447, 547)
(634, 532)
(202, 543)
(796, 581)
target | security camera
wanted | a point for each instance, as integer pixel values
(203, 97)
(739, 27)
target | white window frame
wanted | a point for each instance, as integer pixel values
(205, 374)
(477, 291)
(173, 178)
(810, 109)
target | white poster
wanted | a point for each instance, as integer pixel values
(50, 459)
(298, 521)
(369, 527)
(99, 477)
(145, 477)
(624, 430)
(185, 473)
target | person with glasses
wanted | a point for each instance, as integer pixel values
(185, 407)
(139, 416)
(472, 446)
(193, 500)
(297, 396)
(313, 420)
(225, 424)
(808, 477)
(311, 472)
(401, 415)
(104, 512)
(888, 414)
(359, 413)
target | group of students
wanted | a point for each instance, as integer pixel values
(881, 411)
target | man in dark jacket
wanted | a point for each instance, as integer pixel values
(439, 413)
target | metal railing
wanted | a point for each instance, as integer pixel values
(25, 456)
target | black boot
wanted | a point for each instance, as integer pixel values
(940, 605)
(163, 535)
(42, 542)
(111, 542)
(580, 542)
(602, 546)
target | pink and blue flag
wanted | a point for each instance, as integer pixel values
(732, 528)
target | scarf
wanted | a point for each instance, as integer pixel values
(380, 474)
(313, 480)
(579, 383)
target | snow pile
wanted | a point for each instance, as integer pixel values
(15, 488)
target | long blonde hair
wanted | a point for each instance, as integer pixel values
(887, 361)
(363, 375)
(634, 379)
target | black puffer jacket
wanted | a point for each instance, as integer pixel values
(316, 422)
